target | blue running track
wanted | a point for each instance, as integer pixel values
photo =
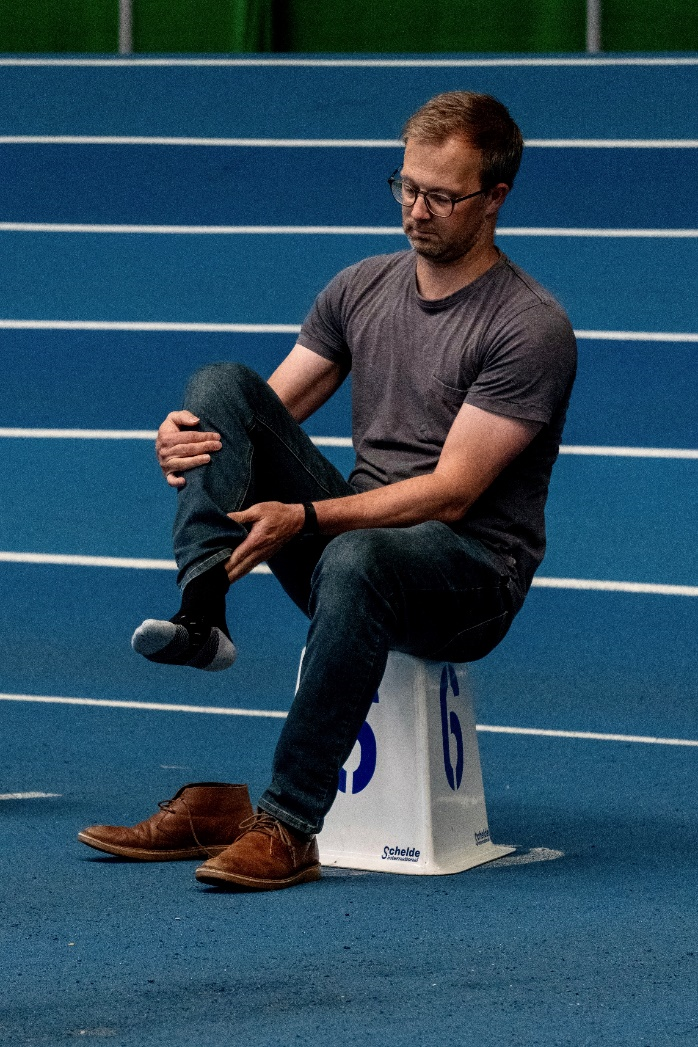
(159, 214)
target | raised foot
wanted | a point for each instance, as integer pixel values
(184, 641)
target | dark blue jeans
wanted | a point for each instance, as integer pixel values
(425, 590)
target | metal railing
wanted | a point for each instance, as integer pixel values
(125, 27)
(593, 26)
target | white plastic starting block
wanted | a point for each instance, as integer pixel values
(410, 796)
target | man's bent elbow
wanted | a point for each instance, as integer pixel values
(454, 511)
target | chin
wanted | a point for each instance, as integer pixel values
(425, 246)
(440, 252)
(434, 252)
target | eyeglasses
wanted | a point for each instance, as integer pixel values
(439, 204)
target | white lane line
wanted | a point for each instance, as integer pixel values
(130, 434)
(630, 336)
(332, 143)
(612, 143)
(324, 230)
(225, 143)
(146, 325)
(79, 434)
(591, 585)
(27, 796)
(628, 452)
(215, 710)
(133, 563)
(127, 562)
(69, 560)
(210, 230)
(591, 736)
(204, 328)
(609, 233)
(331, 441)
(375, 63)
(210, 710)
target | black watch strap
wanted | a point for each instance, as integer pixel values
(311, 528)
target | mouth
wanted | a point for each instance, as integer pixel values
(412, 230)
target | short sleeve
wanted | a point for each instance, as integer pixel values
(528, 367)
(323, 329)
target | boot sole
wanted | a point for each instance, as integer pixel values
(142, 855)
(219, 878)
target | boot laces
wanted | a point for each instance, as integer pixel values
(261, 822)
(166, 806)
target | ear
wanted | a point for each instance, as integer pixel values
(496, 197)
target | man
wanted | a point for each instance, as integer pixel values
(462, 369)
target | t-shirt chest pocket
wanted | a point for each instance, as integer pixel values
(449, 394)
(443, 404)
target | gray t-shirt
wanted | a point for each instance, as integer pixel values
(502, 344)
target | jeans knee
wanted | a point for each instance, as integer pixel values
(217, 382)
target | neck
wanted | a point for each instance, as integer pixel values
(438, 280)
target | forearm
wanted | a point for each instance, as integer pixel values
(478, 447)
(400, 504)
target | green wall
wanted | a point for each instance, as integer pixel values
(200, 26)
(59, 25)
(158, 25)
(439, 25)
(651, 25)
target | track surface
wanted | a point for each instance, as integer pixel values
(587, 936)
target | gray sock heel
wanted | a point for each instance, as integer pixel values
(172, 643)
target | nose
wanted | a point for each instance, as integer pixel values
(419, 208)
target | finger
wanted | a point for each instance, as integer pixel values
(175, 481)
(236, 573)
(182, 418)
(177, 438)
(185, 452)
(250, 552)
(238, 566)
(243, 516)
(185, 448)
(250, 546)
(180, 465)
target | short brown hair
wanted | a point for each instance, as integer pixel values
(483, 121)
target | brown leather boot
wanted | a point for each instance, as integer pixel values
(266, 856)
(201, 820)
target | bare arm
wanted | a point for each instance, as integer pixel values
(303, 382)
(478, 447)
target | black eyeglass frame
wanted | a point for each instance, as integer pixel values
(393, 181)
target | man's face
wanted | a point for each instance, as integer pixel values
(452, 167)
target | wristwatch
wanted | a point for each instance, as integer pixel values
(311, 528)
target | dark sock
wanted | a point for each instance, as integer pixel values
(203, 598)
